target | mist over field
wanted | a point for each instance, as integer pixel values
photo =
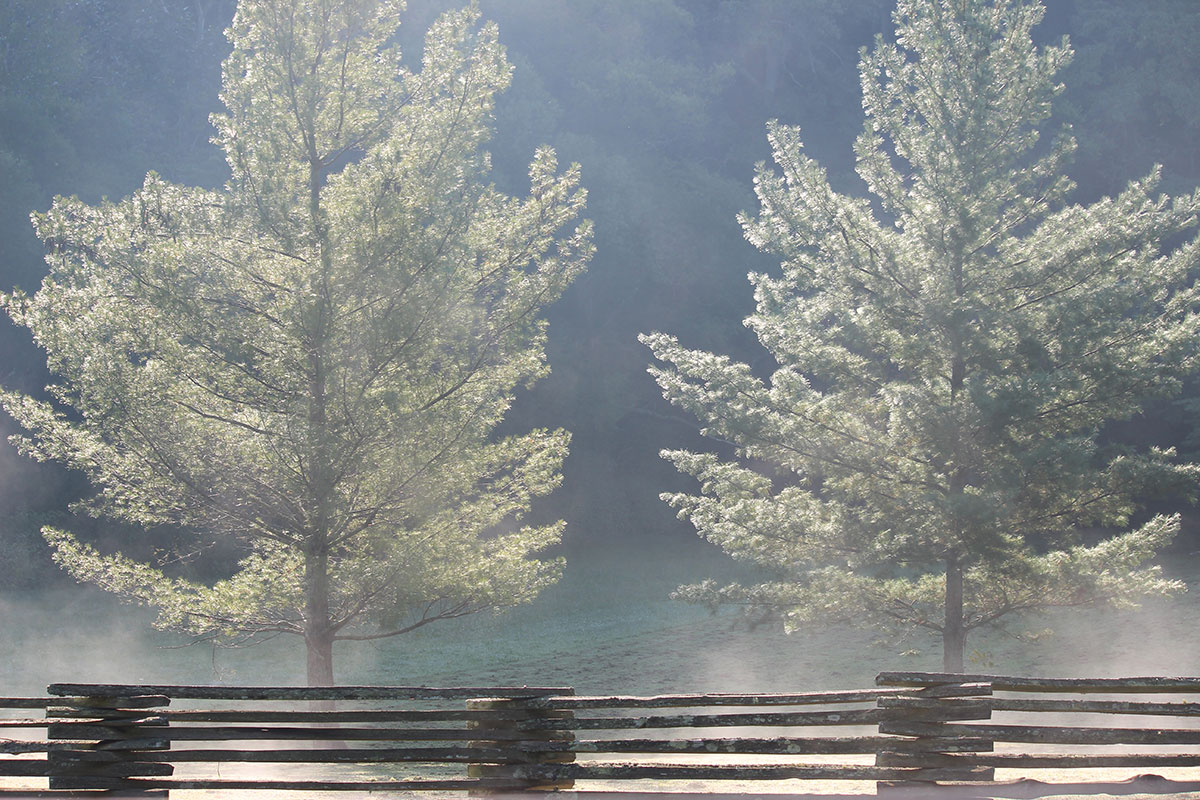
(608, 628)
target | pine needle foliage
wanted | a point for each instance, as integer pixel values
(313, 360)
(927, 454)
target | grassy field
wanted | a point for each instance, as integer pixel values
(608, 627)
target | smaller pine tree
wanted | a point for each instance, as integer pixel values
(949, 350)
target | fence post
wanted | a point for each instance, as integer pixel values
(529, 736)
(102, 741)
(934, 753)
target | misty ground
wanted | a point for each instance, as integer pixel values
(608, 627)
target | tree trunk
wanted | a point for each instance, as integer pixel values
(954, 634)
(318, 632)
(318, 625)
(320, 660)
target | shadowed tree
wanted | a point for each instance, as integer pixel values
(314, 360)
(947, 353)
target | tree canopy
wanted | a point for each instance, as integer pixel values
(927, 452)
(313, 361)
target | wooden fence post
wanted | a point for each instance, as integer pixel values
(927, 747)
(102, 749)
(515, 727)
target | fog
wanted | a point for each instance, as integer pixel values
(608, 628)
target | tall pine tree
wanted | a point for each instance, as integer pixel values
(313, 361)
(948, 351)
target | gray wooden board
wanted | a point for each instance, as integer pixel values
(841, 745)
(1075, 685)
(42, 768)
(1175, 709)
(1025, 788)
(1046, 734)
(180, 733)
(358, 715)
(301, 692)
(230, 784)
(1041, 760)
(17, 746)
(779, 746)
(864, 716)
(357, 755)
(601, 771)
(715, 699)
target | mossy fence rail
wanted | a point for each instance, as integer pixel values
(914, 732)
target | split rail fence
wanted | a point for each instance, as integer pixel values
(913, 732)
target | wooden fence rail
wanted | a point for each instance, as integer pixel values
(915, 731)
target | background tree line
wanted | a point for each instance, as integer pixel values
(664, 104)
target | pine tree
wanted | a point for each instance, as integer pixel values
(312, 362)
(928, 452)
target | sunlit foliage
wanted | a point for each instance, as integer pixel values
(947, 353)
(314, 360)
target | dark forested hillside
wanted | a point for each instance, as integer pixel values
(662, 102)
(93, 94)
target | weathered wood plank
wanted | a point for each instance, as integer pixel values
(864, 716)
(141, 741)
(836, 745)
(356, 715)
(938, 744)
(16, 746)
(1172, 709)
(113, 716)
(715, 699)
(122, 702)
(230, 784)
(24, 768)
(42, 722)
(934, 710)
(1026, 788)
(115, 794)
(954, 690)
(982, 705)
(140, 719)
(143, 728)
(301, 692)
(40, 768)
(605, 771)
(1045, 734)
(178, 733)
(113, 787)
(1019, 684)
(846, 745)
(113, 769)
(831, 745)
(105, 733)
(1041, 760)
(359, 755)
(26, 702)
